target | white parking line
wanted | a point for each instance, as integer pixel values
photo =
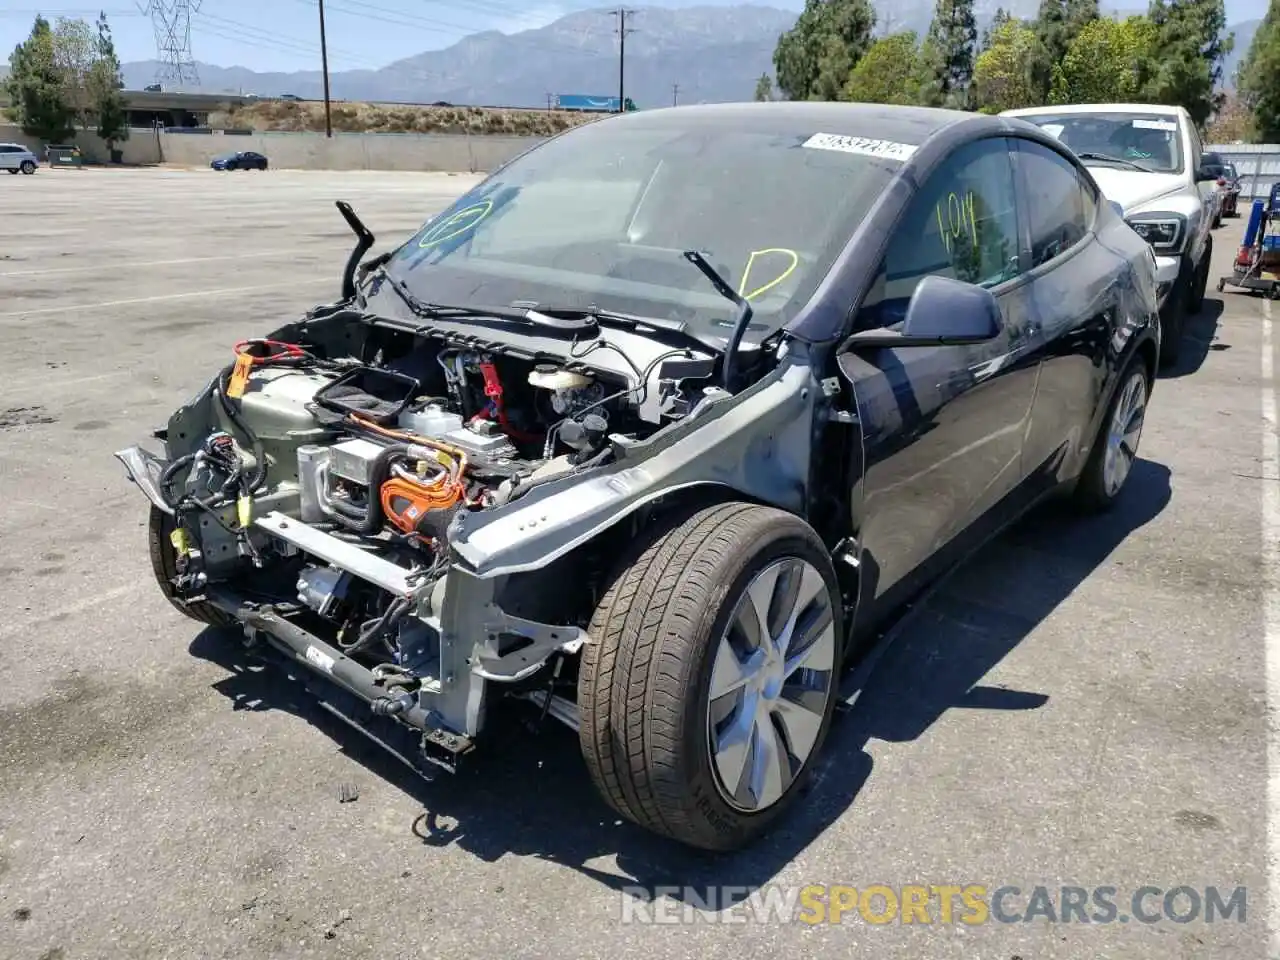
(278, 285)
(146, 263)
(1271, 599)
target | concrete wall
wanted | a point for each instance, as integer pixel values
(450, 153)
(141, 147)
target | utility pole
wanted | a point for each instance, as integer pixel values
(324, 63)
(550, 96)
(622, 13)
(675, 94)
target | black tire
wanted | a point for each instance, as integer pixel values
(1092, 493)
(1172, 318)
(644, 683)
(164, 564)
(14, 171)
(28, 167)
(1196, 302)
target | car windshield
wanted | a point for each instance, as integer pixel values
(1229, 171)
(1152, 140)
(599, 218)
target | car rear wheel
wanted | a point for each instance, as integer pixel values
(709, 686)
(28, 167)
(14, 171)
(1116, 447)
(164, 564)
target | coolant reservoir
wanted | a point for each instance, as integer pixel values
(432, 420)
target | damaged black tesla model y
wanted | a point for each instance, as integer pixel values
(653, 426)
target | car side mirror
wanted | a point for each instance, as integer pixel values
(942, 312)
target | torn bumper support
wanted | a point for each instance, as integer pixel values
(353, 692)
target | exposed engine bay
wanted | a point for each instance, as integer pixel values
(315, 494)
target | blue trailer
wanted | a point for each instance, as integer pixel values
(587, 104)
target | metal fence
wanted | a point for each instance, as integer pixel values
(1258, 165)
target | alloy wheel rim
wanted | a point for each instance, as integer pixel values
(1124, 434)
(771, 680)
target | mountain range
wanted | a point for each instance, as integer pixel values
(690, 55)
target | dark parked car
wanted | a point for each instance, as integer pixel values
(1229, 186)
(239, 160)
(653, 427)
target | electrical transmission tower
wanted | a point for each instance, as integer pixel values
(171, 20)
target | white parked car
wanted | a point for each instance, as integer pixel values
(16, 158)
(1148, 161)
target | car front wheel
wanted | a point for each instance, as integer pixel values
(28, 167)
(708, 687)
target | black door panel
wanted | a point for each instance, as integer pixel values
(942, 426)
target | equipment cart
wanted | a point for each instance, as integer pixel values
(1257, 265)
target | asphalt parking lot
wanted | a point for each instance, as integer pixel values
(1083, 704)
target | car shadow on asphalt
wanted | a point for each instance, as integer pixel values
(1199, 338)
(526, 791)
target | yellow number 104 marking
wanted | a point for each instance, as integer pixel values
(956, 219)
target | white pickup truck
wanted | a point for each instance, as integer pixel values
(1147, 160)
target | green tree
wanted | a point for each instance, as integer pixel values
(890, 72)
(764, 87)
(953, 38)
(1003, 74)
(1002, 17)
(36, 88)
(105, 85)
(814, 59)
(1057, 24)
(1259, 83)
(1186, 65)
(1108, 62)
(74, 53)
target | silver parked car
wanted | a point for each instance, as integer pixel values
(15, 157)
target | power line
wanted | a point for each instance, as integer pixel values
(622, 13)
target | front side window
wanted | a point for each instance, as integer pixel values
(1150, 141)
(602, 215)
(1054, 198)
(963, 225)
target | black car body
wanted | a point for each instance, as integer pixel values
(654, 426)
(239, 160)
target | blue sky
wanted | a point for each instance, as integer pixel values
(283, 34)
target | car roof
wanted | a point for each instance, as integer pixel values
(5, 143)
(1156, 108)
(901, 124)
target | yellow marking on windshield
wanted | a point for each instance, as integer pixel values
(460, 222)
(957, 220)
(751, 260)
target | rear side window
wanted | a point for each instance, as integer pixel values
(963, 224)
(1058, 202)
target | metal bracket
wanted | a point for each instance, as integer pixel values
(547, 638)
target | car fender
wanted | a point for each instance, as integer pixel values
(756, 444)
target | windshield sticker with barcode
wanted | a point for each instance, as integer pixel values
(1155, 125)
(866, 146)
